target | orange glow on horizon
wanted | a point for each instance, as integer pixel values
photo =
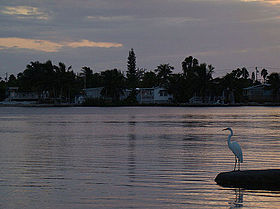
(50, 46)
(274, 2)
(87, 43)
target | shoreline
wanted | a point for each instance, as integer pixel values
(143, 105)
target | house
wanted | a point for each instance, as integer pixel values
(155, 95)
(145, 95)
(161, 96)
(89, 93)
(93, 93)
(13, 95)
(207, 100)
(259, 93)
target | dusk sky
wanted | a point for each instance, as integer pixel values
(99, 33)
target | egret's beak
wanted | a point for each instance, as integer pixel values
(225, 129)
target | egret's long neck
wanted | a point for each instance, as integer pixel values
(229, 137)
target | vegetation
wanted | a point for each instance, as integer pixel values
(113, 82)
(61, 84)
(133, 77)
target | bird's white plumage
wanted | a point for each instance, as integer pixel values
(235, 148)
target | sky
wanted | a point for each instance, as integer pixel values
(99, 33)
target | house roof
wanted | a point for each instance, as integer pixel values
(258, 86)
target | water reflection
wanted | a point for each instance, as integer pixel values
(131, 148)
(237, 201)
(152, 157)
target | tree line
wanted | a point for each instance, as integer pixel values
(60, 81)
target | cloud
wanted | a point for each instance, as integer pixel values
(160, 31)
(87, 43)
(33, 44)
(25, 12)
(110, 18)
(265, 1)
(50, 46)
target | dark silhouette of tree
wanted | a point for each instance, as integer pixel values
(198, 78)
(179, 88)
(237, 73)
(235, 82)
(132, 76)
(12, 81)
(274, 80)
(37, 77)
(87, 75)
(113, 84)
(58, 81)
(253, 77)
(131, 73)
(264, 74)
(203, 78)
(245, 73)
(64, 82)
(163, 73)
(3, 87)
(97, 80)
(188, 65)
(149, 80)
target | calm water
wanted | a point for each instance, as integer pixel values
(133, 157)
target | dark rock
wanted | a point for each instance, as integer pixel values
(250, 179)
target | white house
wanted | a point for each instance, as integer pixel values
(161, 96)
(145, 95)
(156, 95)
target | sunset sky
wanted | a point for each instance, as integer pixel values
(99, 33)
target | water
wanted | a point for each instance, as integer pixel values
(133, 157)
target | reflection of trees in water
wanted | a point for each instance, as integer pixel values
(237, 201)
(131, 157)
(131, 149)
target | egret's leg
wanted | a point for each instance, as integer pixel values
(235, 163)
(238, 164)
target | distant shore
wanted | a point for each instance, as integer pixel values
(138, 105)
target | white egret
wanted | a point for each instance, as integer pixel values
(235, 148)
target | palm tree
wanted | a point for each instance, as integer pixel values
(113, 84)
(64, 80)
(264, 73)
(37, 77)
(203, 77)
(163, 72)
(179, 88)
(188, 64)
(87, 74)
(245, 73)
(149, 80)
